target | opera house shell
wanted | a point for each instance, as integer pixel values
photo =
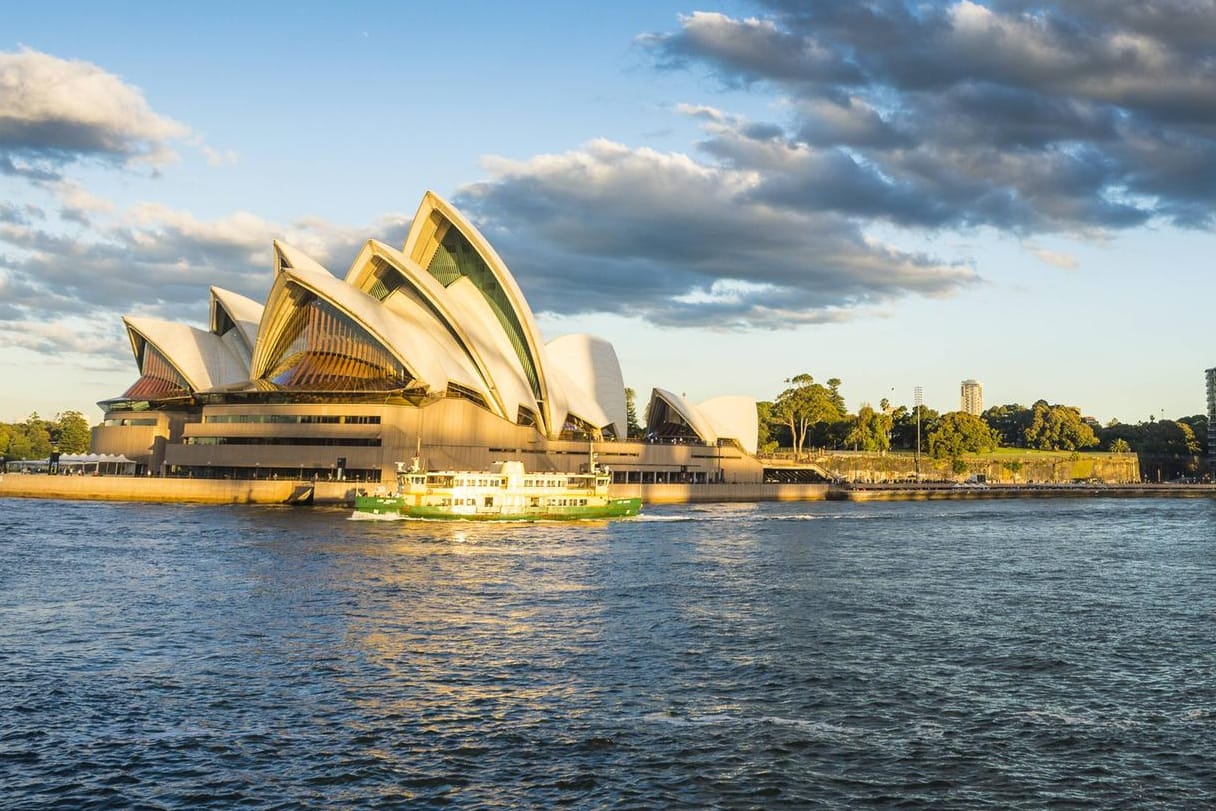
(429, 350)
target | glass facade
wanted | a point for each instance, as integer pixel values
(322, 349)
(353, 442)
(158, 379)
(456, 257)
(121, 421)
(295, 419)
(1211, 381)
(223, 321)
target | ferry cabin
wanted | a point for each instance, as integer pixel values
(506, 490)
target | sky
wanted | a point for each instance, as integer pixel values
(892, 194)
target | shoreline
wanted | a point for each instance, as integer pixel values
(269, 492)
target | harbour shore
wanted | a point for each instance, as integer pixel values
(264, 491)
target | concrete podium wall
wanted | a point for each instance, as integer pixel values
(142, 488)
(264, 491)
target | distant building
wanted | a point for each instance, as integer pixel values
(1211, 375)
(971, 397)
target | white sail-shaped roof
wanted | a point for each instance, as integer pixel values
(462, 320)
(439, 240)
(734, 417)
(441, 317)
(494, 349)
(579, 403)
(662, 400)
(591, 365)
(202, 359)
(243, 314)
(411, 342)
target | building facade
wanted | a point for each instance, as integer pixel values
(971, 397)
(429, 351)
(1211, 381)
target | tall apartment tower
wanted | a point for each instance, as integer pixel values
(971, 397)
(1211, 375)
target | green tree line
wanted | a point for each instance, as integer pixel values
(36, 438)
(808, 414)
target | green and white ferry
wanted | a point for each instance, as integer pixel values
(504, 493)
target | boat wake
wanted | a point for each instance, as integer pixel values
(364, 516)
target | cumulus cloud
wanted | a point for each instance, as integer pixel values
(55, 111)
(607, 228)
(66, 294)
(1064, 261)
(216, 157)
(1022, 115)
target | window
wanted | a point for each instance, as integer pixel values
(159, 380)
(322, 349)
(294, 419)
(456, 257)
(130, 421)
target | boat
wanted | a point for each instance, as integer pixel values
(504, 493)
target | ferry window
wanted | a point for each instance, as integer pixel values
(535, 501)
(489, 501)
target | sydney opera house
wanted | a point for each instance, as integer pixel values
(430, 350)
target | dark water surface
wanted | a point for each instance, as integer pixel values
(1003, 654)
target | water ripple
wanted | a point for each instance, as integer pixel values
(1012, 654)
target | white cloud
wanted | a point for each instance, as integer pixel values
(1054, 258)
(216, 157)
(54, 111)
(663, 236)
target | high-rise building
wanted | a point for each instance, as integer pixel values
(1211, 375)
(971, 397)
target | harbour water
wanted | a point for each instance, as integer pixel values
(995, 654)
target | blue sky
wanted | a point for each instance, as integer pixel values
(731, 193)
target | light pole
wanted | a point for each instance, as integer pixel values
(917, 398)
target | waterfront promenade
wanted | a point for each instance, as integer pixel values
(266, 491)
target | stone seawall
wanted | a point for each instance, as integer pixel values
(1005, 467)
(947, 492)
(137, 488)
(217, 491)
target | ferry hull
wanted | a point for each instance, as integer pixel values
(387, 505)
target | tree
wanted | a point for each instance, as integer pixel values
(957, 433)
(1172, 438)
(1119, 445)
(633, 429)
(903, 433)
(765, 441)
(1058, 428)
(1199, 426)
(834, 392)
(871, 431)
(805, 404)
(70, 432)
(30, 440)
(1011, 422)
